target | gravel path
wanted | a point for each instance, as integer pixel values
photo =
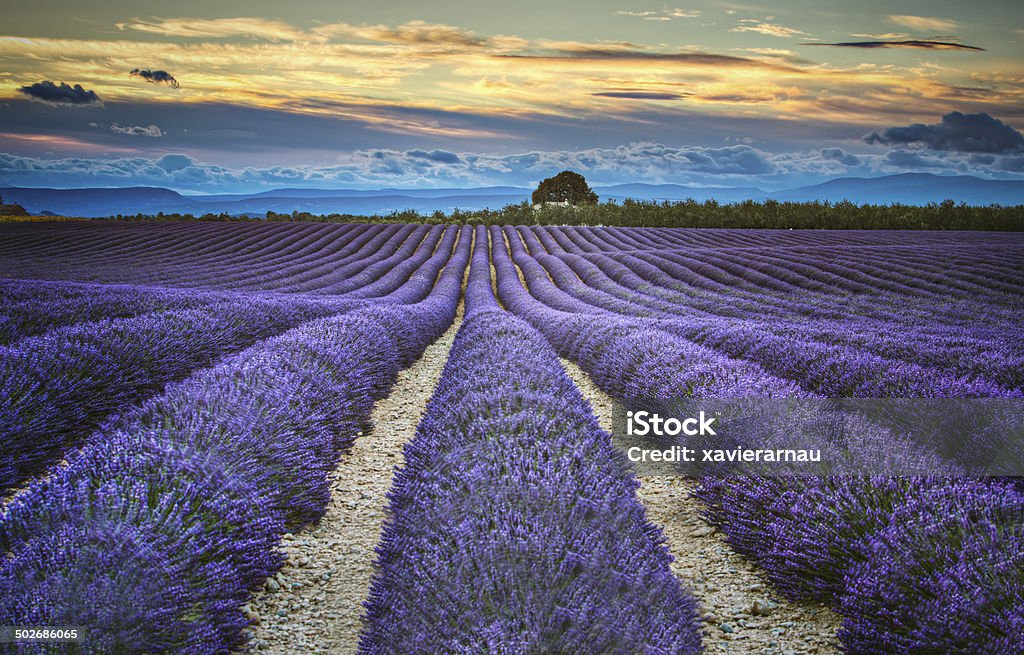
(315, 603)
(742, 613)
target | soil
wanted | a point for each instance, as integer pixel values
(314, 604)
(742, 613)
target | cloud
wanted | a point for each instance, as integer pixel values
(925, 45)
(137, 130)
(910, 159)
(665, 15)
(769, 29)
(61, 95)
(651, 161)
(174, 162)
(770, 52)
(822, 162)
(440, 156)
(734, 165)
(639, 95)
(349, 72)
(1012, 164)
(570, 51)
(411, 33)
(884, 36)
(841, 156)
(646, 15)
(378, 167)
(50, 143)
(459, 84)
(415, 32)
(156, 77)
(957, 133)
(217, 28)
(925, 23)
(736, 98)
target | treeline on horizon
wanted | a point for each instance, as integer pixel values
(768, 214)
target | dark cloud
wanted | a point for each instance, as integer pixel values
(1012, 164)
(639, 95)
(586, 52)
(957, 133)
(173, 163)
(156, 77)
(736, 97)
(923, 45)
(60, 95)
(841, 156)
(909, 159)
(440, 156)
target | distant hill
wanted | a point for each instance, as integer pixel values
(660, 192)
(910, 188)
(96, 202)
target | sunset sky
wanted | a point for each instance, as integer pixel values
(228, 96)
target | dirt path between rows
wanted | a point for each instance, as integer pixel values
(314, 605)
(742, 613)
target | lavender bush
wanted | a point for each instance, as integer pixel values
(199, 483)
(945, 576)
(57, 386)
(513, 525)
(815, 537)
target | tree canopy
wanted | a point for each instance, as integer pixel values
(567, 186)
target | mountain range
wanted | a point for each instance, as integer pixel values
(908, 188)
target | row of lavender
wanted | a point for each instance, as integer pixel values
(630, 311)
(914, 564)
(77, 372)
(296, 259)
(371, 267)
(156, 531)
(950, 353)
(513, 524)
(59, 385)
(185, 496)
(304, 257)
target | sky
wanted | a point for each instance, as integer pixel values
(214, 96)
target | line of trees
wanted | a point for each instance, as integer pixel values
(946, 215)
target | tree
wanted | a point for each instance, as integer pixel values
(565, 187)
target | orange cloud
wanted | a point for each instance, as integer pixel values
(217, 28)
(60, 143)
(925, 23)
(353, 71)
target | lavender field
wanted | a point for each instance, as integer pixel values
(180, 400)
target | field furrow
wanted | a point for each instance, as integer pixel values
(743, 615)
(314, 604)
